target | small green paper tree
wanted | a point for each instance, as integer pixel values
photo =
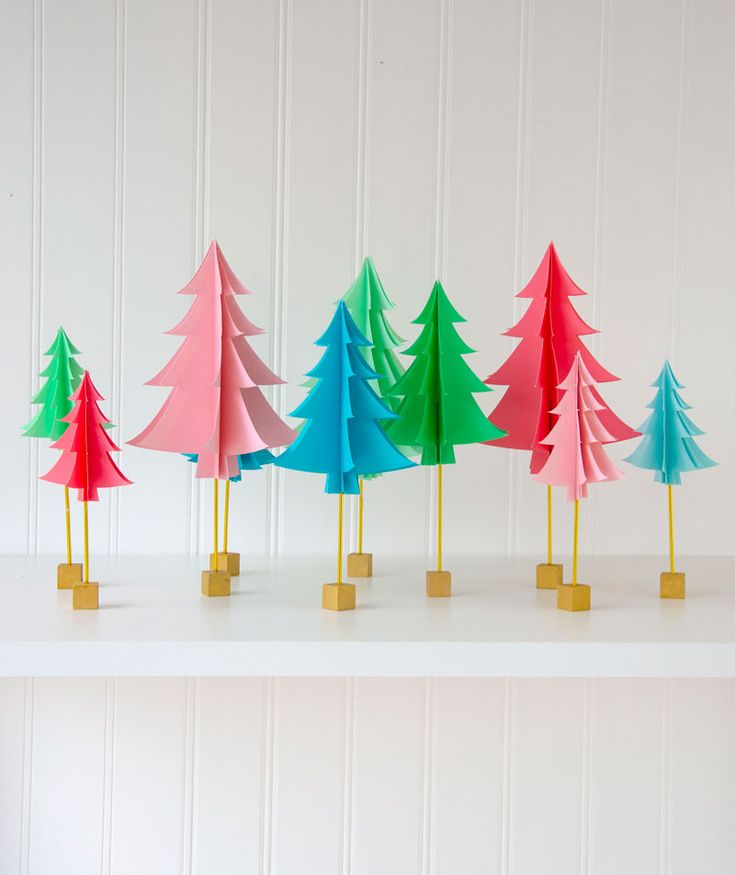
(63, 375)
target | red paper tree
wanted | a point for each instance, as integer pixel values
(85, 463)
(215, 408)
(550, 332)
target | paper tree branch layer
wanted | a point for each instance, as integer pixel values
(549, 332)
(85, 463)
(215, 409)
(576, 453)
(668, 446)
(438, 410)
(62, 376)
(245, 462)
(342, 436)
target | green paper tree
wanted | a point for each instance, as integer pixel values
(62, 377)
(438, 409)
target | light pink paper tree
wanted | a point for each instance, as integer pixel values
(577, 456)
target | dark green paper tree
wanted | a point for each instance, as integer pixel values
(438, 409)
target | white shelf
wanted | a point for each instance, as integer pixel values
(153, 621)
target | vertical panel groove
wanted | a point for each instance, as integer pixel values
(586, 794)
(268, 766)
(505, 863)
(665, 777)
(348, 769)
(107, 775)
(426, 843)
(279, 267)
(118, 230)
(191, 758)
(27, 787)
(524, 99)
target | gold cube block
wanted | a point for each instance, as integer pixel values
(67, 574)
(573, 597)
(438, 584)
(229, 562)
(215, 583)
(85, 596)
(673, 585)
(338, 596)
(549, 575)
(359, 564)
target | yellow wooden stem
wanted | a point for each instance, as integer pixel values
(359, 520)
(227, 516)
(576, 542)
(439, 521)
(548, 525)
(671, 528)
(86, 545)
(339, 540)
(68, 525)
(216, 515)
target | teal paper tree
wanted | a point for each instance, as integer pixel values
(62, 377)
(668, 447)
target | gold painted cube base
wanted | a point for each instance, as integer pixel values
(85, 596)
(359, 564)
(438, 584)
(67, 574)
(673, 585)
(229, 562)
(573, 597)
(215, 583)
(338, 596)
(549, 575)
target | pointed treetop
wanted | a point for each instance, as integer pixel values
(214, 276)
(342, 329)
(550, 278)
(62, 344)
(366, 294)
(438, 307)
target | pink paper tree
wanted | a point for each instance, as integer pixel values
(549, 332)
(577, 456)
(215, 408)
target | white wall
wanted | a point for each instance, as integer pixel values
(448, 138)
(358, 777)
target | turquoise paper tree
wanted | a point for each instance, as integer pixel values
(342, 436)
(669, 449)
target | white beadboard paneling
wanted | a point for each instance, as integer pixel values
(546, 777)
(229, 775)
(389, 777)
(626, 756)
(12, 741)
(67, 777)
(702, 781)
(466, 798)
(159, 256)
(310, 754)
(149, 778)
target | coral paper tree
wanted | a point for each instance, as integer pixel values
(245, 462)
(549, 332)
(668, 446)
(215, 409)
(85, 463)
(62, 374)
(438, 409)
(342, 436)
(577, 456)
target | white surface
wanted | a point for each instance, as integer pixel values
(153, 621)
(331, 776)
(448, 137)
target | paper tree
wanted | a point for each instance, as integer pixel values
(368, 302)
(438, 409)
(669, 449)
(342, 436)
(61, 378)
(216, 409)
(550, 333)
(577, 457)
(86, 465)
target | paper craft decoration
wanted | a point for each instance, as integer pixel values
(61, 378)
(438, 410)
(550, 333)
(342, 436)
(86, 465)
(669, 449)
(215, 409)
(577, 458)
(368, 302)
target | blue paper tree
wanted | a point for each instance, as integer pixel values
(342, 436)
(668, 446)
